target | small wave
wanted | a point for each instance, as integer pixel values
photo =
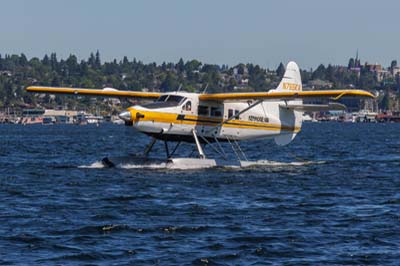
(136, 166)
(270, 164)
(87, 231)
(128, 198)
(97, 164)
(184, 229)
(369, 159)
(275, 163)
(27, 238)
(90, 256)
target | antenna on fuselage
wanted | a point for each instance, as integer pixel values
(205, 89)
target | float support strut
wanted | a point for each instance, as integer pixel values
(149, 147)
(199, 149)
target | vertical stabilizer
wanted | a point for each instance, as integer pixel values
(290, 118)
(291, 80)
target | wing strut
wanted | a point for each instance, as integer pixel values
(236, 115)
(241, 112)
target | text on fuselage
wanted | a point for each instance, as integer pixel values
(261, 119)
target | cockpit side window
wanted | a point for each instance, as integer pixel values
(162, 98)
(187, 106)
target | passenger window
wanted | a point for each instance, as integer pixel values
(216, 111)
(236, 114)
(203, 110)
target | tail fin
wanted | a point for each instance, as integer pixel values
(291, 80)
(290, 118)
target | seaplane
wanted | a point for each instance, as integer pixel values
(208, 119)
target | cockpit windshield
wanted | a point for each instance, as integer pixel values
(162, 98)
(165, 101)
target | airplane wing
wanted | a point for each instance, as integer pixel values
(287, 95)
(106, 92)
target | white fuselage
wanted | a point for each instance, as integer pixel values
(175, 115)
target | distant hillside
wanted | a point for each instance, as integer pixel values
(17, 72)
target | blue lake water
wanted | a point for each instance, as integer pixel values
(331, 197)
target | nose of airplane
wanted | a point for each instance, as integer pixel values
(126, 116)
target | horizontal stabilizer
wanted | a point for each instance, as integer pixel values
(315, 107)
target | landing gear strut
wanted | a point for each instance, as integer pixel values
(199, 149)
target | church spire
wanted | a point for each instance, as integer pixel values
(357, 61)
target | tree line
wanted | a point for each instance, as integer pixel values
(17, 72)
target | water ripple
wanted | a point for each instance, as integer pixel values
(329, 198)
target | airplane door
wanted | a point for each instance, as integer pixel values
(185, 116)
(187, 108)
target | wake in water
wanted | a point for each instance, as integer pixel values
(275, 163)
(95, 165)
(227, 165)
(138, 166)
(99, 165)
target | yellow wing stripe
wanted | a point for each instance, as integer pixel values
(95, 92)
(337, 94)
(160, 117)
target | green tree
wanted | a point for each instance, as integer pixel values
(393, 64)
(72, 65)
(319, 73)
(367, 81)
(97, 62)
(240, 69)
(170, 83)
(330, 73)
(207, 68)
(305, 75)
(180, 66)
(351, 63)
(280, 71)
(54, 61)
(257, 77)
(192, 65)
(46, 60)
(23, 61)
(92, 60)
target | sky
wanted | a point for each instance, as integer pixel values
(262, 32)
